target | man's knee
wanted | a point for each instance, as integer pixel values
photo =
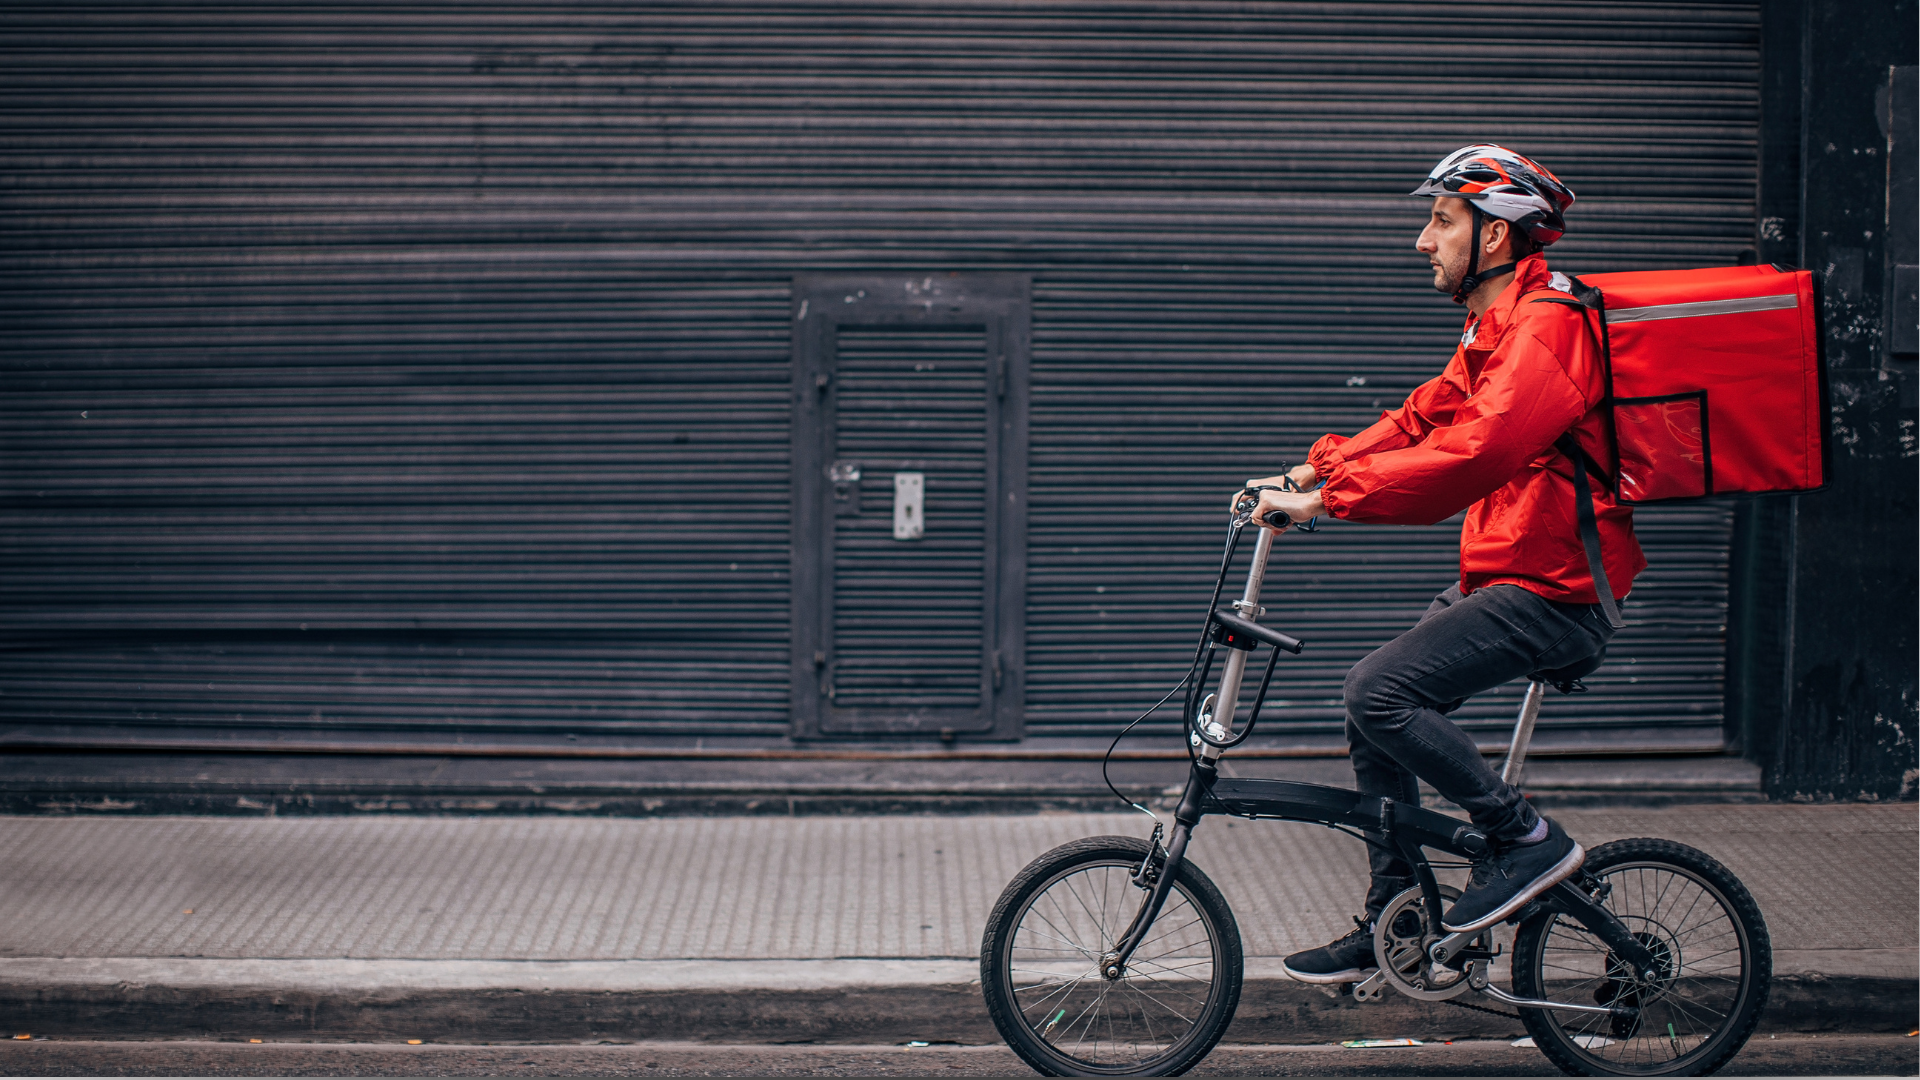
(1371, 698)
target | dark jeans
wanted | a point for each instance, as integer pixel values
(1398, 698)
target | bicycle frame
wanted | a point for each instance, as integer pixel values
(1408, 830)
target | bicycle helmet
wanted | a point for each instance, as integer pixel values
(1499, 182)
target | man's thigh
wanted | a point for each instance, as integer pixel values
(1465, 645)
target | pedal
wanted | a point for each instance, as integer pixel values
(1479, 974)
(1372, 988)
(1335, 991)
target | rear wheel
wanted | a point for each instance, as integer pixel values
(1040, 965)
(1708, 941)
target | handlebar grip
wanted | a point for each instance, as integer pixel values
(1285, 521)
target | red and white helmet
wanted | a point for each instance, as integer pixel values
(1505, 185)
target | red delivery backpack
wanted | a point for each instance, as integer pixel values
(1714, 387)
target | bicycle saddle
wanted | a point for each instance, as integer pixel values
(1567, 679)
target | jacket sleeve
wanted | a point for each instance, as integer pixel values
(1526, 400)
(1431, 404)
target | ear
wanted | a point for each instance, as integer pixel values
(1498, 230)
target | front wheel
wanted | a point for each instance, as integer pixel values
(1040, 965)
(1708, 941)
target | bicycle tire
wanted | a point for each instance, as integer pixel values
(1079, 894)
(1658, 890)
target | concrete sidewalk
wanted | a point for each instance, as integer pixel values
(856, 929)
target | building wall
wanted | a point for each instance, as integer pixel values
(1825, 583)
(417, 371)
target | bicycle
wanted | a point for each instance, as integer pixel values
(1116, 956)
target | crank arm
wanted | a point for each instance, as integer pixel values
(1450, 947)
(1498, 994)
(1372, 988)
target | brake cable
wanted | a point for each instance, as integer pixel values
(1202, 656)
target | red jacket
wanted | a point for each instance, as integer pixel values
(1480, 438)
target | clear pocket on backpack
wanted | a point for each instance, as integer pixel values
(1664, 451)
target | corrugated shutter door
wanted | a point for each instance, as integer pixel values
(405, 368)
(908, 615)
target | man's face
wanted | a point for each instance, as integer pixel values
(1447, 241)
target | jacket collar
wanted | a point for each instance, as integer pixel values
(1529, 275)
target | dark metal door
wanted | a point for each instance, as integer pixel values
(909, 525)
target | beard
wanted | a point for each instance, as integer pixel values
(1450, 273)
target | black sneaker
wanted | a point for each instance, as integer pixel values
(1349, 959)
(1507, 880)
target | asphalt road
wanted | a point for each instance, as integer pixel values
(1832, 1055)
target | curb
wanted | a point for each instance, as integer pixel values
(702, 801)
(755, 1001)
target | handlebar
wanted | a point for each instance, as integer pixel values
(1273, 519)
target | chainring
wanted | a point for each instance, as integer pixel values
(1401, 938)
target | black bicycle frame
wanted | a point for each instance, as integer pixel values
(1408, 830)
(1405, 829)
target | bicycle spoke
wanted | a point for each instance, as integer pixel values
(1098, 1000)
(1081, 949)
(1163, 1004)
(1198, 962)
(1065, 987)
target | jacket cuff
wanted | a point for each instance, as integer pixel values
(1330, 464)
(1325, 455)
(1333, 491)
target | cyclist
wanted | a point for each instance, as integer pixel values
(1480, 437)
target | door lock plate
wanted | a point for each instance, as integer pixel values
(909, 505)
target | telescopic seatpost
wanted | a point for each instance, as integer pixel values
(1228, 700)
(1523, 733)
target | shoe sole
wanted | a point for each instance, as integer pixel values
(1561, 871)
(1349, 975)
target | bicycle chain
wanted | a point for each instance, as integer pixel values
(1481, 1008)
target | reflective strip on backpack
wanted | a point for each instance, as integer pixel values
(1704, 307)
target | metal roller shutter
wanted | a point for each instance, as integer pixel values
(406, 368)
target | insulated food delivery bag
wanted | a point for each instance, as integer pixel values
(1714, 380)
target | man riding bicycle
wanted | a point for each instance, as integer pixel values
(1480, 437)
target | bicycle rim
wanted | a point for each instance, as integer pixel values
(1147, 1015)
(1701, 947)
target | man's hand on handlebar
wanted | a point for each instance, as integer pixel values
(1298, 506)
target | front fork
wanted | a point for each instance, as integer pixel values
(1192, 801)
(1200, 778)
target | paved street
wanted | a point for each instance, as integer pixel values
(1852, 1055)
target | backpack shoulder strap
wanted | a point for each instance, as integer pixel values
(1589, 525)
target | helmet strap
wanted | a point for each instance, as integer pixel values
(1475, 276)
